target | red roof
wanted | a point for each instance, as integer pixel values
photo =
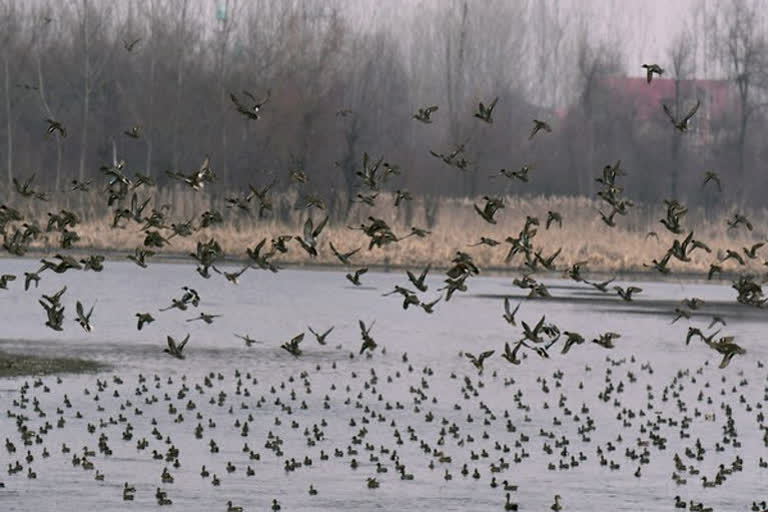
(716, 96)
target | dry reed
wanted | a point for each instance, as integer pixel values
(453, 223)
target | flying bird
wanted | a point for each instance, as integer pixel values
(250, 111)
(713, 177)
(143, 319)
(175, 349)
(424, 114)
(418, 282)
(509, 314)
(650, 69)
(321, 337)
(355, 278)
(485, 113)
(83, 319)
(479, 360)
(681, 124)
(538, 126)
(130, 45)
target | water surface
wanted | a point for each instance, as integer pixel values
(632, 391)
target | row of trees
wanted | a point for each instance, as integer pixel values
(345, 81)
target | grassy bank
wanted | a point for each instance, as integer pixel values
(19, 365)
(453, 223)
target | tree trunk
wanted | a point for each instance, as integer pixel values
(9, 124)
(148, 133)
(675, 171)
(179, 82)
(86, 93)
(49, 113)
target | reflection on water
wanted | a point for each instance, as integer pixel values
(543, 414)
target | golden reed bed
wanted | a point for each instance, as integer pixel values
(453, 223)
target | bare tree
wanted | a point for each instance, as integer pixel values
(682, 56)
(739, 46)
(594, 60)
(11, 30)
(41, 88)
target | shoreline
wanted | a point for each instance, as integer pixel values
(176, 257)
(14, 364)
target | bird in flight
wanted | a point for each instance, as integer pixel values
(143, 319)
(419, 282)
(626, 293)
(681, 124)
(538, 126)
(650, 69)
(712, 176)
(55, 126)
(205, 317)
(321, 337)
(130, 45)
(309, 242)
(250, 111)
(292, 347)
(5, 279)
(83, 319)
(479, 360)
(510, 354)
(175, 349)
(355, 278)
(485, 113)
(509, 314)
(343, 256)
(247, 339)
(424, 114)
(368, 342)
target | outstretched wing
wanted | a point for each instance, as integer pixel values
(692, 111)
(236, 101)
(669, 113)
(320, 227)
(424, 272)
(485, 355)
(308, 229)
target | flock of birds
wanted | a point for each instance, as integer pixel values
(129, 207)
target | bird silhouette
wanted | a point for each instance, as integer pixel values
(538, 126)
(83, 319)
(485, 113)
(650, 69)
(424, 114)
(681, 124)
(174, 349)
(479, 360)
(321, 337)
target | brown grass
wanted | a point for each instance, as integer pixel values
(454, 225)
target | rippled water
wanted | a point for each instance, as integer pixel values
(274, 307)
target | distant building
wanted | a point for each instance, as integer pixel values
(718, 100)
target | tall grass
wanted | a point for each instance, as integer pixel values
(453, 223)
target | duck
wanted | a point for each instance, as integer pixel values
(233, 508)
(509, 505)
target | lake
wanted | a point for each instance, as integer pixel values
(539, 425)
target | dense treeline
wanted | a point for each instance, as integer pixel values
(341, 86)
